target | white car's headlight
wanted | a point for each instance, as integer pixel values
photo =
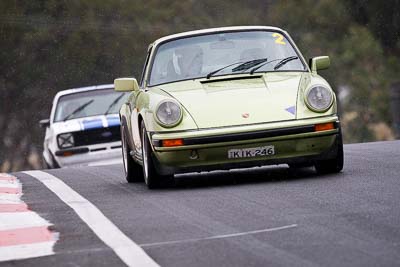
(319, 98)
(168, 113)
(65, 140)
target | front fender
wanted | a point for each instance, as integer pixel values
(124, 115)
(303, 112)
(147, 103)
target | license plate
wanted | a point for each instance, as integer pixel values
(251, 152)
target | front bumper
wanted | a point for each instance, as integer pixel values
(204, 150)
(88, 155)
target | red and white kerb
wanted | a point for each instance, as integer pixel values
(23, 233)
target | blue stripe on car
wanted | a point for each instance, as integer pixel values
(113, 121)
(92, 124)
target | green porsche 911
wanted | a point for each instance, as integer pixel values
(227, 98)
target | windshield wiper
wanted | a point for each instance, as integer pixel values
(284, 61)
(249, 64)
(265, 63)
(113, 103)
(80, 108)
(243, 66)
(218, 70)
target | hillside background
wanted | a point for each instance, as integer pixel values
(47, 46)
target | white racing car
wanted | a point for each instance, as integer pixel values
(84, 127)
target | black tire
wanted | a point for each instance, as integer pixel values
(53, 164)
(151, 177)
(133, 171)
(46, 165)
(332, 165)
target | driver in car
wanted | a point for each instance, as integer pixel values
(186, 62)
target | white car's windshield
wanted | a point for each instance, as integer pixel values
(89, 103)
(221, 54)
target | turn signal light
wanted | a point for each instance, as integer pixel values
(67, 153)
(172, 142)
(324, 126)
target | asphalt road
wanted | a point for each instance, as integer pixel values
(212, 219)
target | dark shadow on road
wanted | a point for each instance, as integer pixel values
(268, 174)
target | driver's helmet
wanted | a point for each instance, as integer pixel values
(188, 61)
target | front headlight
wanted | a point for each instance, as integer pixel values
(319, 98)
(168, 113)
(65, 140)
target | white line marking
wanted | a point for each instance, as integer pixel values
(10, 198)
(10, 185)
(6, 182)
(16, 220)
(219, 236)
(26, 251)
(128, 251)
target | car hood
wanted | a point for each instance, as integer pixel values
(86, 123)
(229, 101)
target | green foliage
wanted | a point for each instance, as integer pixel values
(359, 62)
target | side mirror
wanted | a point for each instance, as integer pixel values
(44, 123)
(126, 85)
(319, 63)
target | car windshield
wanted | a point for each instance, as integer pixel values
(89, 103)
(221, 54)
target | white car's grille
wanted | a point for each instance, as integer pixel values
(97, 136)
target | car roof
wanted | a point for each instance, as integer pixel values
(84, 89)
(213, 30)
